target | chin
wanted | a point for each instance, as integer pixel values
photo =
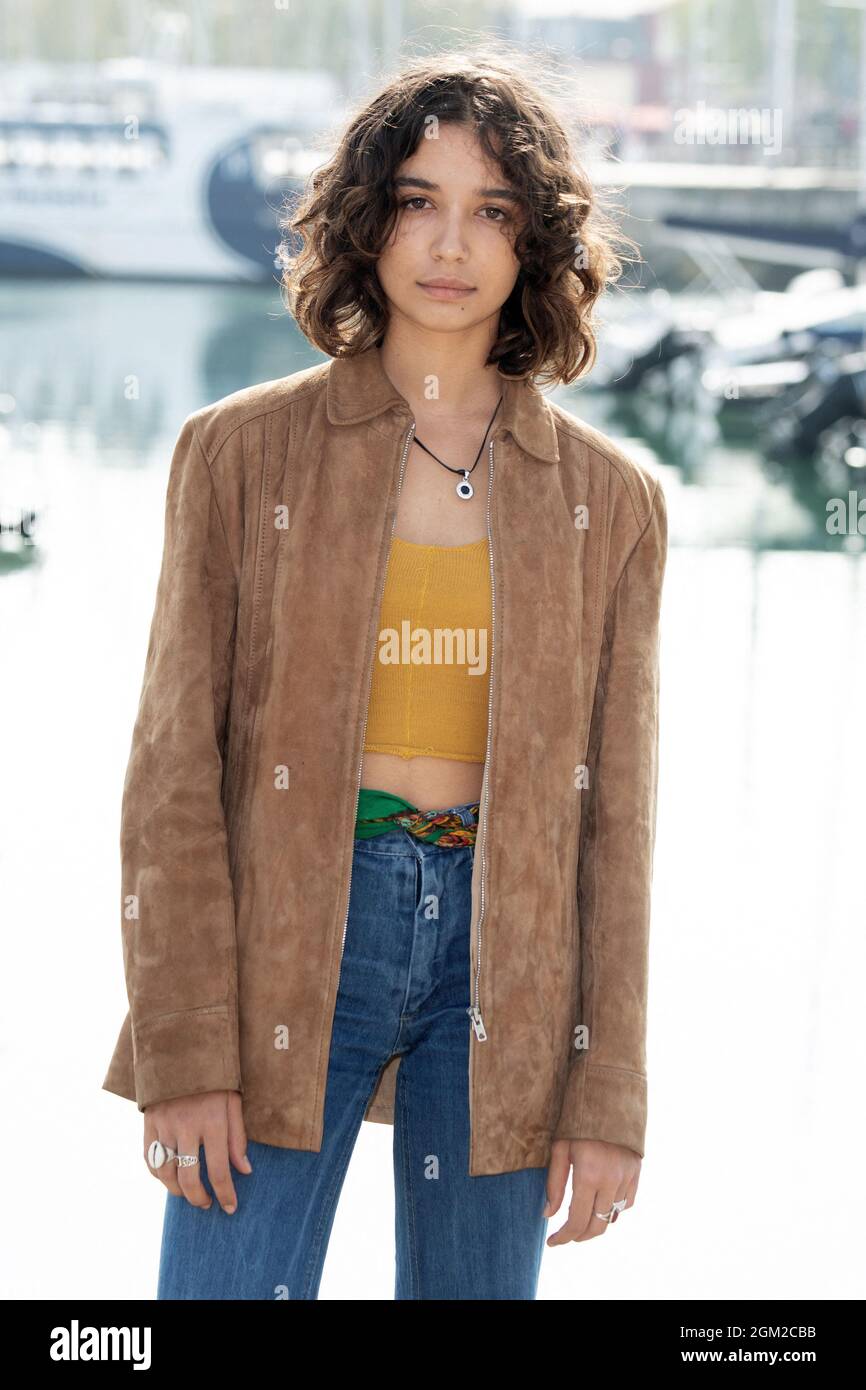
(432, 316)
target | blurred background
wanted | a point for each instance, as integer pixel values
(146, 153)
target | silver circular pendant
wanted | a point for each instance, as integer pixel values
(465, 489)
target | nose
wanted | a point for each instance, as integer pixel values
(449, 238)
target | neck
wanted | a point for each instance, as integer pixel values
(442, 376)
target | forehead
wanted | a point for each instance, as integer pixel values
(453, 156)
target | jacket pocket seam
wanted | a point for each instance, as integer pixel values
(605, 1066)
(181, 1013)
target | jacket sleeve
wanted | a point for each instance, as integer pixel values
(177, 898)
(606, 1090)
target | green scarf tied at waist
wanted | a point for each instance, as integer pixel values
(378, 812)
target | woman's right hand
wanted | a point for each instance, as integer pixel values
(212, 1118)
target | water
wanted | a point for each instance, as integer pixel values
(755, 1050)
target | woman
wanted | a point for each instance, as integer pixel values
(389, 813)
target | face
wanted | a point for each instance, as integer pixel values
(456, 222)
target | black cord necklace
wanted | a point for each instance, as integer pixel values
(464, 488)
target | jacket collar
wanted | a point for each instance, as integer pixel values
(359, 389)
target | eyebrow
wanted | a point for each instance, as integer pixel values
(407, 180)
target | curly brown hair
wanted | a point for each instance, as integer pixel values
(566, 244)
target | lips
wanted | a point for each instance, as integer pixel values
(446, 283)
(446, 289)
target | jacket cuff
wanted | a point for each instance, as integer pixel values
(184, 1054)
(608, 1103)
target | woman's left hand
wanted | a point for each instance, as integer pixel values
(602, 1174)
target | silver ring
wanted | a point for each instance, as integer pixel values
(186, 1160)
(616, 1207)
(158, 1154)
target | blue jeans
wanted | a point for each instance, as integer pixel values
(404, 988)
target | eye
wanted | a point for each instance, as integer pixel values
(417, 198)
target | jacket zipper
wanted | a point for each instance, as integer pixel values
(474, 1010)
(370, 665)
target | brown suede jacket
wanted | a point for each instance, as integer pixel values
(280, 508)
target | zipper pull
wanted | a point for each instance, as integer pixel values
(477, 1023)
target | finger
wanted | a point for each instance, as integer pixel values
(603, 1207)
(190, 1177)
(579, 1211)
(557, 1178)
(238, 1134)
(168, 1172)
(630, 1193)
(597, 1226)
(622, 1195)
(218, 1170)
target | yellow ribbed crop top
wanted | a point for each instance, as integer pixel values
(431, 671)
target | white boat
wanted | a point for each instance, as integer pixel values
(145, 169)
